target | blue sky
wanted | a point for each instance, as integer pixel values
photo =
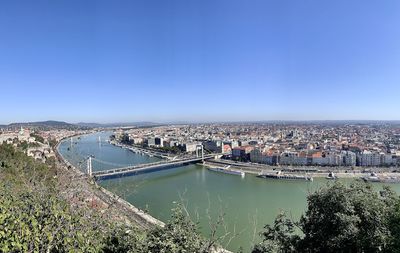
(208, 60)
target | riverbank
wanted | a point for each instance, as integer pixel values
(141, 151)
(256, 168)
(311, 171)
(75, 183)
(339, 172)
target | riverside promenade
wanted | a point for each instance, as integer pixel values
(314, 171)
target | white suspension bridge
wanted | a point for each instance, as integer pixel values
(121, 170)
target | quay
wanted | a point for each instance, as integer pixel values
(314, 171)
(142, 151)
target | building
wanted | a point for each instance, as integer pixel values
(349, 158)
(136, 140)
(259, 156)
(155, 142)
(214, 146)
(321, 159)
(151, 142)
(369, 158)
(7, 138)
(159, 142)
(173, 143)
(227, 149)
(190, 147)
(387, 159)
(293, 158)
(242, 153)
(233, 144)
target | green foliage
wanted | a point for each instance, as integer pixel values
(173, 150)
(52, 143)
(124, 239)
(34, 217)
(24, 145)
(40, 222)
(351, 218)
(178, 236)
(393, 223)
(339, 218)
(19, 169)
(37, 137)
(278, 237)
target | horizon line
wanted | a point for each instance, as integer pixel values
(204, 122)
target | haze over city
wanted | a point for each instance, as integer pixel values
(195, 61)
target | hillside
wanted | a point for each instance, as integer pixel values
(44, 125)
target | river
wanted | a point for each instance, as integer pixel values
(247, 203)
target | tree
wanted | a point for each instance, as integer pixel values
(52, 143)
(394, 227)
(178, 236)
(37, 137)
(279, 237)
(33, 215)
(351, 218)
(39, 222)
(339, 218)
(124, 239)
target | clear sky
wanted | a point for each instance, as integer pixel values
(199, 60)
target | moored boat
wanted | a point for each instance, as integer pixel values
(331, 176)
(280, 175)
(374, 178)
(226, 170)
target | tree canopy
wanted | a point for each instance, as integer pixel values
(339, 218)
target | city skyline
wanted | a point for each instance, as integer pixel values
(205, 122)
(166, 61)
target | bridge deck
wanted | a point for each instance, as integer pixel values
(144, 168)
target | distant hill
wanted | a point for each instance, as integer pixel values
(125, 124)
(44, 125)
(91, 125)
(52, 124)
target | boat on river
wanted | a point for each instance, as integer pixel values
(280, 175)
(331, 176)
(374, 178)
(226, 170)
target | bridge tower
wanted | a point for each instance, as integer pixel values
(199, 148)
(89, 166)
